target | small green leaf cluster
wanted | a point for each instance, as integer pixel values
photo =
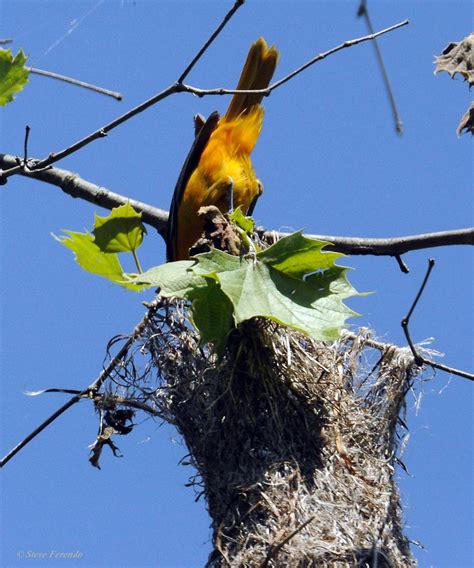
(13, 75)
(97, 252)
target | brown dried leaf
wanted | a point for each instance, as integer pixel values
(467, 121)
(458, 58)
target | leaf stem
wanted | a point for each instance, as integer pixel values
(137, 262)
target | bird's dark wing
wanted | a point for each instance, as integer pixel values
(190, 164)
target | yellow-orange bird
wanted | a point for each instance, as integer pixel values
(218, 170)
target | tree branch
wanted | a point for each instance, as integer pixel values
(419, 359)
(76, 82)
(395, 246)
(280, 82)
(212, 37)
(178, 87)
(364, 12)
(76, 187)
(91, 390)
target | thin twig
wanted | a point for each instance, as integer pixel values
(25, 145)
(121, 401)
(280, 82)
(55, 390)
(406, 319)
(363, 11)
(100, 133)
(212, 37)
(65, 79)
(348, 43)
(178, 87)
(448, 369)
(385, 346)
(419, 359)
(88, 392)
(40, 428)
(402, 264)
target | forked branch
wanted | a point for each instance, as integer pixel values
(177, 87)
(419, 359)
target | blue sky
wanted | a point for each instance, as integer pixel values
(331, 163)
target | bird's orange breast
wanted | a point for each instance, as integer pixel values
(225, 158)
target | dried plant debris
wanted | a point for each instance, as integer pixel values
(458, 58)
(467, 121)
(218, 233)
(295, 441)
(113, 421)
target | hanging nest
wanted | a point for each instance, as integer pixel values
(294, 440)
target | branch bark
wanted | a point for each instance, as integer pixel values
(76, 82)
(395, 246)
(72, 184)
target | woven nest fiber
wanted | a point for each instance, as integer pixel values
(294, 440)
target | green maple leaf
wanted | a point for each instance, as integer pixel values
(212, 314)
(91, 258)
(13, 75)
(121, 231)
(294, 282)
(174, 279)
